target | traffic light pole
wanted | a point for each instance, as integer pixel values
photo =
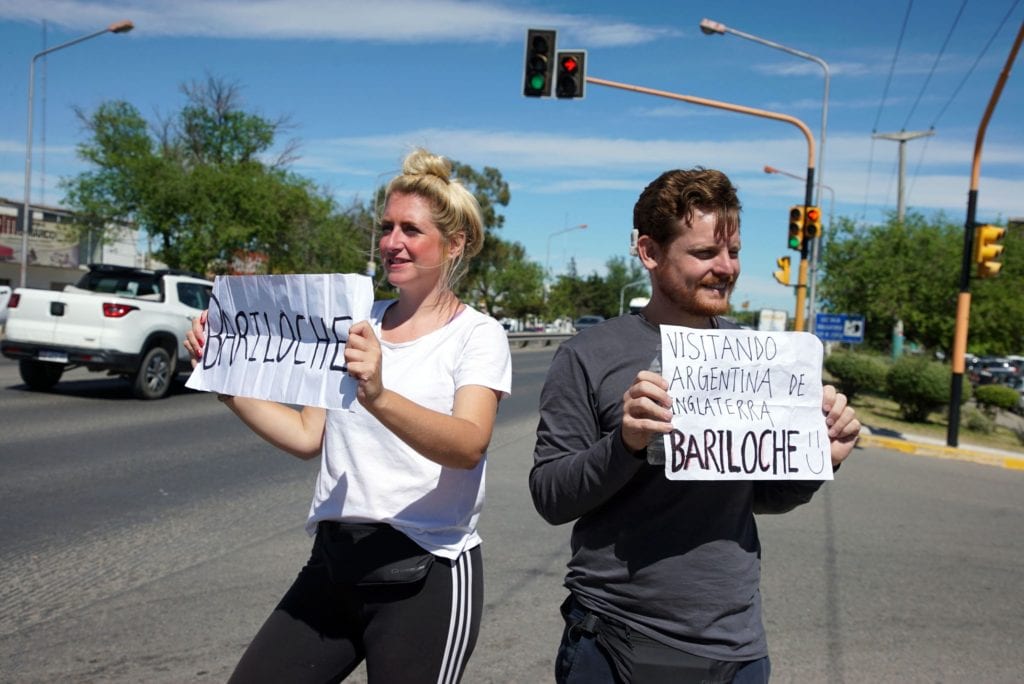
(963, 304)
(801, 287)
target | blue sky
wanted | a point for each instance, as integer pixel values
(363, 82)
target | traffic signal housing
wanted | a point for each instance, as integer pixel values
(797, 220)
(986, 249)
(812, 223)
(540, 62)
(782, 275)
(570, 70)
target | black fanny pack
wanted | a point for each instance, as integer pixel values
(367, 554)
(637, 658)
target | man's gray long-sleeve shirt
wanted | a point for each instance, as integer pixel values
(676, 561)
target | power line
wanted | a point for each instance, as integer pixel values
(892, 67)
(976, 61)
(881, 105)
(935, 64)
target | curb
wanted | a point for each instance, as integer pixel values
(968, 454)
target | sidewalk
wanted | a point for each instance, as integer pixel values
(937, 448)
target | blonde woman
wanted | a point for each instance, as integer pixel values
(395, 576)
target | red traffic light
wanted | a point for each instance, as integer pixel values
(570, 79)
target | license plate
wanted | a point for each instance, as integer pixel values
(55, 357)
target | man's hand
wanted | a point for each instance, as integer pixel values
(843, 426)
(645, 410)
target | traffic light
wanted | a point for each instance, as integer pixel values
(570, 75)
(812, 223)
(986, 251)
(540, 62)
(796, 227)
(782, 275)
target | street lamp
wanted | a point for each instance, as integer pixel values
(547, 260)
(709, 27)
(26, 220)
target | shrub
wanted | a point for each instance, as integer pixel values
(920, 386)
(993, 397)
(857, 373)
(976, 421)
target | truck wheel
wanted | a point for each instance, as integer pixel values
(40, 375)
(153, 379)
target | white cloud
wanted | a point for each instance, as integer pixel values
(396, 21)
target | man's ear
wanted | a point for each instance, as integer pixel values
(649, 252)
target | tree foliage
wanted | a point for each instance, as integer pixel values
(199, 183)
(572, 296)
(910, 271)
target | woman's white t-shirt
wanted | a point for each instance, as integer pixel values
(367, 474)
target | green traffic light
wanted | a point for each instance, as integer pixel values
(537, 81)
(794, 243)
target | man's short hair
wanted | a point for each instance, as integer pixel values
(674, 195)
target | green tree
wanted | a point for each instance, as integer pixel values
(198, 182)
(503, 282)
(895, 271)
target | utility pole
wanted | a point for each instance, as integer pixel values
(902, 137)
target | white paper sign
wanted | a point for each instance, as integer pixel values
(282, 337)
(746, 405)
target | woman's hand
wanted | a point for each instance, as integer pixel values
(843, 426)
(363, 358)
(194, 338)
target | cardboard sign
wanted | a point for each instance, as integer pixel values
(746, 405)
(282, 337)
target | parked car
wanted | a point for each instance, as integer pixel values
(587, 321)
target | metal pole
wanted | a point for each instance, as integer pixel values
(26, 221)
(710, 27)
(963, 306)
(902, 137)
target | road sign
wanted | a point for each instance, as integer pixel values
(839, 327)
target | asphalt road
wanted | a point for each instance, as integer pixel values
(146, 542)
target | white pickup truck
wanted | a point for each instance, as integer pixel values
(125, 321)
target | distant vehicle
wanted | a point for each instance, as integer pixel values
(996, 376)
(5, 296)
(124, 321)
(636, 304)
(587, 321)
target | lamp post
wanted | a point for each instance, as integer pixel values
(709, 27)
(547, 259)
(26, 220)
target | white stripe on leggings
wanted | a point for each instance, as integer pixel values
(461, 618)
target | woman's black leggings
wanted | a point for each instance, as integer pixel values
(407, 633)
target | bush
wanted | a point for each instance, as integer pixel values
(993, 397)
(976, 421)
(857, 373)
(920, 386)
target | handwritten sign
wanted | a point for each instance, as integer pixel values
(746, 405)
(282, 337)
